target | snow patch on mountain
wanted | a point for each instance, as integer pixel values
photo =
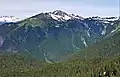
(62, 16)
(46, 59)
(104, 30)
(82, 39)
(9, 19)
(58, 17)
(113, 31)
(88, 32)
(105, 18)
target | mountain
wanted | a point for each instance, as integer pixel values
(107, 48)
(49, 36)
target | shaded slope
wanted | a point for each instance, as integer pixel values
(108, 47)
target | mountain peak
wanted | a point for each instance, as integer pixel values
(59, 12)
(63, 16)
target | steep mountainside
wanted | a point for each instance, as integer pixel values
(48, 36)
(108, 47)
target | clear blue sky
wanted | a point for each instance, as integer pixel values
(25, 8)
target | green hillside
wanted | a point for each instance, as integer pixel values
(19, 66)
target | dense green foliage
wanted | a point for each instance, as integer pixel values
(18, 66)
